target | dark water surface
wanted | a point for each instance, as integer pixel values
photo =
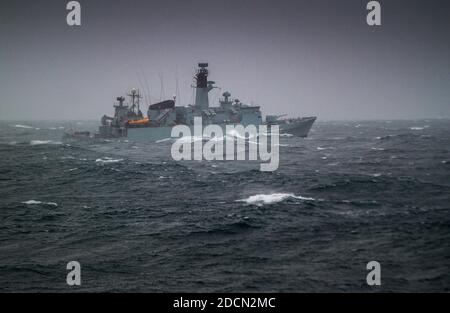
(138, 221)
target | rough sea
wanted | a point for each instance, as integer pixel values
(137, 221)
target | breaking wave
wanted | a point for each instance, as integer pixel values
(23, 126)
(44, 142)
(164, 140)
(108, 160)
(32, 202)
(272, 198)
(419, 127)
(325, 148)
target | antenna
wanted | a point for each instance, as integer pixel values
(177, 90)
(142, 86)
(162, 93)
(148, 89)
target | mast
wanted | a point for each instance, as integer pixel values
(135, 97)
(202, 87)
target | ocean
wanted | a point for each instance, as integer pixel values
(138, 221)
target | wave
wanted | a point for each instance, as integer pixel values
(272, 198)
(108, 160)
(325, 148)
(164, 140)
(268, 134)
(22, 126)
(44, 142)
(32, 202)
(419, 127)
(235, 134)
(187, 139)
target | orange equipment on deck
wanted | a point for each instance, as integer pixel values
(138, 122)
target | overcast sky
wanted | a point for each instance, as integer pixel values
(297, 57)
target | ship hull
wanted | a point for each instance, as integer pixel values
(297, 127)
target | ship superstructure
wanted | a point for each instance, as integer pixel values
(128, 120)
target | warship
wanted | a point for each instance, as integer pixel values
(129, 122)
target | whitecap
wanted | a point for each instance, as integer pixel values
(23, 126)
(267, 134)
(325, 148)
(261, 199)
(419, 127)
(186, 139)
(32, 202)
(108, 160)
(163, 140)
(234, 133)
(44, 142)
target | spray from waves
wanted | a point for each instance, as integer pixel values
(44, 142)
(261, 199)
(33, 202)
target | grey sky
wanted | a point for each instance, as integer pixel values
(296, 57)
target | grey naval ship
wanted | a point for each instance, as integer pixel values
(128, 120)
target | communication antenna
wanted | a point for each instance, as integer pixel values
(162, 93)
(142, 86)
(177, 89)
(148, 89)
